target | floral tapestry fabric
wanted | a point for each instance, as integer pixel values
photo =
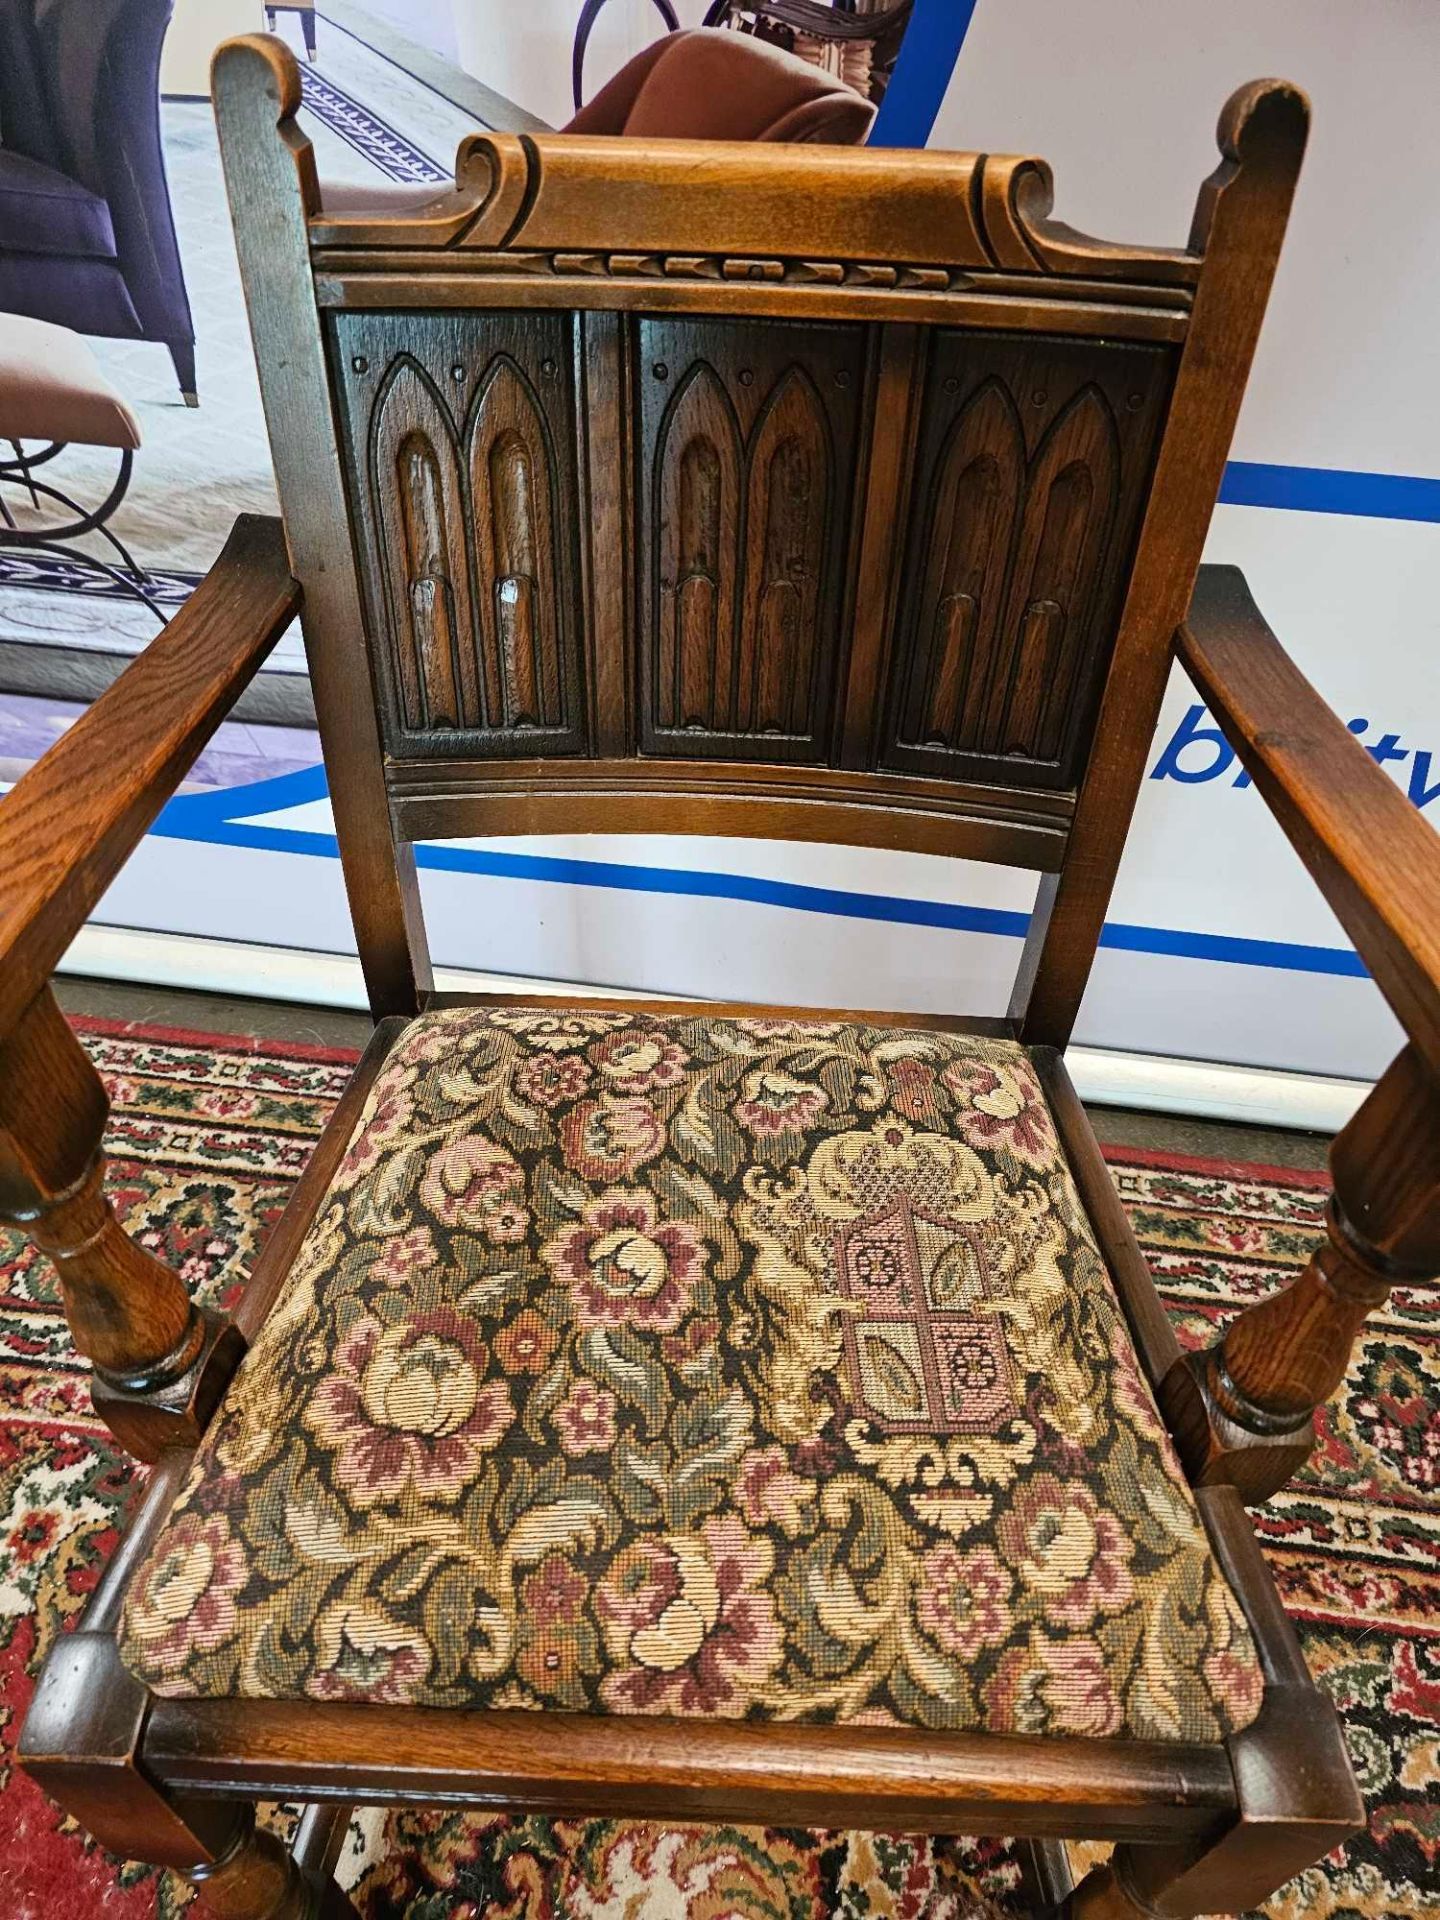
(700, 1365)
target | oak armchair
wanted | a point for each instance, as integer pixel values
(677, 1409)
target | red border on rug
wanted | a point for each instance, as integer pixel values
(1229, 1169)
(216, 1042)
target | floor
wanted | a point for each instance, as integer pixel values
(325, 1026)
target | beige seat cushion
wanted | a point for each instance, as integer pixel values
(51, 388)
(700, 1365)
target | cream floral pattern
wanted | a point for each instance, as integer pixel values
(730, 1367)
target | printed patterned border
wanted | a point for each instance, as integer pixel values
(359, 127)
(49, 573)
(140, 1033)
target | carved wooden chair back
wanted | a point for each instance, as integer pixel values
(775, 491)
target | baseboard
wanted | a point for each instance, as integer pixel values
(1258, 1096)
(1213, 1090)
(250, 971)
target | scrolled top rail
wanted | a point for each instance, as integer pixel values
(721, 198)
(729, 202)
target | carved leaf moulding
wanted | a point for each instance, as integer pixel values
(792, 272)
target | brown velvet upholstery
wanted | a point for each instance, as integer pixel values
(51, 388)
(707, 84)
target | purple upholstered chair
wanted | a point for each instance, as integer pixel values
(86, 234)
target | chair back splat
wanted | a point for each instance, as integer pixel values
(794, 492)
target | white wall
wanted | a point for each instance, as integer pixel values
(1121, 96)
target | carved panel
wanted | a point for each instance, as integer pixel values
(426, 572)
(746, 472)
(698, 473)
(1031, 474)
(511, 466)
(460, 455)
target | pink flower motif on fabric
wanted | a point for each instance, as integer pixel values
(404, 1256)
(778, 1103)
(608, 1139)
(474, 1183)
(638, 1059)
(963, 1599)
(585, 1419)
(625, 1266)
(1002, 1106)
(364, 1655)
(183, 1601)
(390, 1118)
(1053, 1686)
(689, 1621)
(552, 1080)
(407, 1408)
(771, 1493)
(1067, 1550)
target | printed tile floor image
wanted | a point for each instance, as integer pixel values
(370, 121)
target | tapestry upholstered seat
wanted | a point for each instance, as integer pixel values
(700, 1365)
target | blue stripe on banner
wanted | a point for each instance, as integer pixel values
(1376, 496)
(219, 805)
(835, 902)
(928, 54)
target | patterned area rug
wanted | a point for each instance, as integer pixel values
(206, 1139)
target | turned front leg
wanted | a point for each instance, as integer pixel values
(158, 1362)
(1243, 1412)
(83, 1742)
(1296, 1800)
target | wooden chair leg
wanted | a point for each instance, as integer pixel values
(82, 1743)
(255, 1878)
(160, 1364)
(1046, 1880)
(1243, 1413)
(1298, 1800)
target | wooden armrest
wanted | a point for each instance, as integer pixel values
(1374, 858)
(69, 825)
(1242, 1411)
